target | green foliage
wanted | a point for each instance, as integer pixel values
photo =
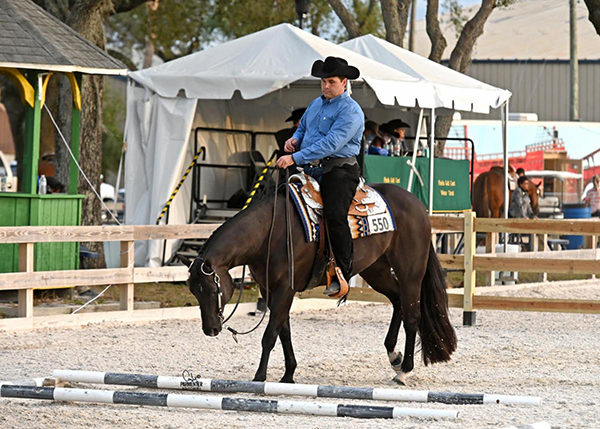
(179, 28)
(240, 17)
(113, 112)
(368, 16)
(456, 16)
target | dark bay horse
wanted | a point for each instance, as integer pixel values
(416, 287)
(488, 194)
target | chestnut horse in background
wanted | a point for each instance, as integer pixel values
(488, 193)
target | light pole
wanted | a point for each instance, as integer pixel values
(302, 10)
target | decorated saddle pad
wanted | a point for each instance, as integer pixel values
(369, 212)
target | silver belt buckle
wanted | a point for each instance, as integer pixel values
(315, 163)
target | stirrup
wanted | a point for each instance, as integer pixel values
(337, 272)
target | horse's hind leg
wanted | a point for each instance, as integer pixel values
(380, 277)
(410, 276)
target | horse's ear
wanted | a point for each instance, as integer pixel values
(187, 261)
(539, 184)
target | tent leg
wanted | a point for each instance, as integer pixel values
(504, 110)
(416, 146)
(431, 159)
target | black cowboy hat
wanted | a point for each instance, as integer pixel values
(334, 66)
(373, 127)
(296, 115)
(398, 123)
(388, 129)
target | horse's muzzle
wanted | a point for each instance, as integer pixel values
(212, 332)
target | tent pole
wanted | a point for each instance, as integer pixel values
(505, 149)
(505, 155)
(431, 159)
(415, 148)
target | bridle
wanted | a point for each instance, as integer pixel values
(217, 281)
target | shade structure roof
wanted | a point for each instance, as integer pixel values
(271, 59)
(31, 38)
(454, 90)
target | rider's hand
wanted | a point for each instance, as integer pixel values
(290, 144)
(285, 161)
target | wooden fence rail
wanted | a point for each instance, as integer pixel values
(549, 263)
(127, 276)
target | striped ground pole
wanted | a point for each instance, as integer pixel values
(538, 425)
(219, 403)
(266, 388)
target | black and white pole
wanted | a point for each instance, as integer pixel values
(538, 425)
(219, 403)
(191, 382)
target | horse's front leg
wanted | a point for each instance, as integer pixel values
(285, 335)
(280, 307)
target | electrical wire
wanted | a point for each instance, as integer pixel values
(99, 198)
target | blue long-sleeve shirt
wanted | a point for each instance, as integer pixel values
(330, 128)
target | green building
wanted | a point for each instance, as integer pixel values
(34, 47)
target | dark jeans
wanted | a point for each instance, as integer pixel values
(337, 189)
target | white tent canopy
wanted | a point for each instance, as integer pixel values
(250, 83)
(454, 90)
(271, 59)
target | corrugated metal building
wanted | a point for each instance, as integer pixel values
(525, 49)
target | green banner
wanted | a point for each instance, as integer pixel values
(451, 179)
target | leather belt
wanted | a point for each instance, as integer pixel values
(337, 161)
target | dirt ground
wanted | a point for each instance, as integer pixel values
(554, 356)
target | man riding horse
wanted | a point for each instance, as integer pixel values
(325, 145)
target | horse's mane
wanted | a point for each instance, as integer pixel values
(219, 231)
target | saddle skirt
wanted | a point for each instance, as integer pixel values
(369, 212)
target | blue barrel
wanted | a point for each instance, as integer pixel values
(576, 211)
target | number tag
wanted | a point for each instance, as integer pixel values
(379, 223)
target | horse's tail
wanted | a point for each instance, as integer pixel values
(438, 339)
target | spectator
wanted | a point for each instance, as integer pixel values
(54, 186)
(282, 135)
(376, 147)
(371, 131)
(520, 204)
(592, 197)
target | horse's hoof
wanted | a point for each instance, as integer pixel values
(289, 380)
(401, 383)
(257, 378)
(401, 378)
(395, 360)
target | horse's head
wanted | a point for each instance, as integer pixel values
(212, 291)
(534, 191)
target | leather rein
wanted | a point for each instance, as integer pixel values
(217, 279)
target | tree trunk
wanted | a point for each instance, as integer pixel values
(438, 41)
(594, 16)
(442, 129)
(87, 18)
(16, 116)
(347, 19)
(63, 118)
(395, 28)
(149, 48)
(460, 59)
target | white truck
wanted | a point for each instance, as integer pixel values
(8, 181)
